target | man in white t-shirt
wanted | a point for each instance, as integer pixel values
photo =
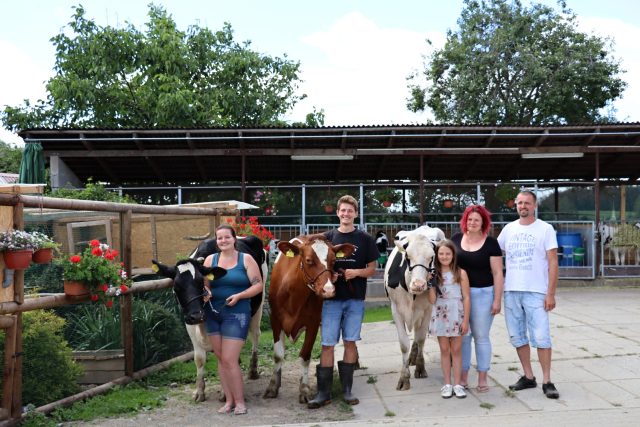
(531, 258)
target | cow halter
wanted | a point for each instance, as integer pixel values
(308, 278)
(429, 269)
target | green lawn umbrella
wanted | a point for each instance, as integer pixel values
(32, 165)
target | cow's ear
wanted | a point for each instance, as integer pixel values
(344, 250)
(401, 245)
(162, 269)
(288, 249)
(212, 273)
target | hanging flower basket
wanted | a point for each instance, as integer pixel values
(447, 203)
(510, 203)
(328, 208)
(386, 203)
(75, 289)
(42, 256)
(17, 260)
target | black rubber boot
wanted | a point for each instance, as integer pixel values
(345, 371)
(325, 382)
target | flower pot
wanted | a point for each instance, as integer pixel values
(17, 260)
(75, 289)
(386, 203)
(510, 203)
(42, 256)
(328, 208)
(447, 203)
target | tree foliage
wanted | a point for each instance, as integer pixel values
(511, 65)
(10, 158)
(110, 77)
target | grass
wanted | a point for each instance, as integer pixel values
(487, 405)
(378, 314)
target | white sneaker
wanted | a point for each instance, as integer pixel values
(458, 390)
(446, 391)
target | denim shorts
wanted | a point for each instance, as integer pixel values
(234, 326)
(341, 317)
(524, 312)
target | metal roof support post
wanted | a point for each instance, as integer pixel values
(361, 206)
(421, 191)
(179, 195)
(478, 193)
(597, 197)
(303, 223)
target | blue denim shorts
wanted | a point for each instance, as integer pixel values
(234, 326)
(524, 312)
(341, 318)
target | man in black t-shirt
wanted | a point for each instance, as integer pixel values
(343, 314)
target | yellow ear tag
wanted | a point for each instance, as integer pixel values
(154, 268)
(289, 253)
(210, 276)
(340, 254)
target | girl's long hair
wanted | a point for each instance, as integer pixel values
(453, 266)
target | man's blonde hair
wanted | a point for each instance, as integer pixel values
(350, 200)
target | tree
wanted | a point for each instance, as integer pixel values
(511, 65)
(162, 77)
(10, 158)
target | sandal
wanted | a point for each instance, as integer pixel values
(482, 389)
(226, 409)
(240, 410)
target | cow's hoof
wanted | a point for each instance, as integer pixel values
(254, 375)
(270, 393)
(198, 397)
(420, 373)
(303, 398)
(403, 384)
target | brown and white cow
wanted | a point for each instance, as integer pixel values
(406, 278)
(300, 280)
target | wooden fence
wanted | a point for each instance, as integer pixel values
(11, 310)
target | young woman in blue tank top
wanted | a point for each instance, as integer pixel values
(228, 313)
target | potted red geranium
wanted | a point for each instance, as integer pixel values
(95, 272)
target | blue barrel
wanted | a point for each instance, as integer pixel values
(566, 243)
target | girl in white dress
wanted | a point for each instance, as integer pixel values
(449, 315)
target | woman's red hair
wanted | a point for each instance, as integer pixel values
(480, 210)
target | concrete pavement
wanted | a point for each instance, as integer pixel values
(596, 368)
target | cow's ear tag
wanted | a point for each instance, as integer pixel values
(289, 253)
(154, 268)
(340, 254)
(210, 276)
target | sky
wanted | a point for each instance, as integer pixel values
(355, 55)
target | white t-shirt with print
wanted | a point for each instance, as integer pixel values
(525, 248)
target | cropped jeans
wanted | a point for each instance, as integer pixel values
(479, 324)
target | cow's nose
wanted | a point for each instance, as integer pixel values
(418, 286)
(328, 290)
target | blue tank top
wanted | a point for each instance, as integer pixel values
(235, 281)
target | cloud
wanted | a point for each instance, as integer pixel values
(20, 78)
(625, 37)
(360, 77)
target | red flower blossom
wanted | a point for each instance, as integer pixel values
(124, 288)
(109, 255)
(94, 243)
(105, 288)
(109, 304)
(96, 251)
(75, 259)
(94, 297)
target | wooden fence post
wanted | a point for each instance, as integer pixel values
(126, 312)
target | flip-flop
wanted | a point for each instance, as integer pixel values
(240, 411)
(482, 388)
(225, 409)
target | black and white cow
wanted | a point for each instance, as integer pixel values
(406, 279)
(194, 321)
(621, 240)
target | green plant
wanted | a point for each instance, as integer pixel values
(387, 194)
(506, 192)
(49, 373)
(98, 269)
(42, 241)
(158, 333)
